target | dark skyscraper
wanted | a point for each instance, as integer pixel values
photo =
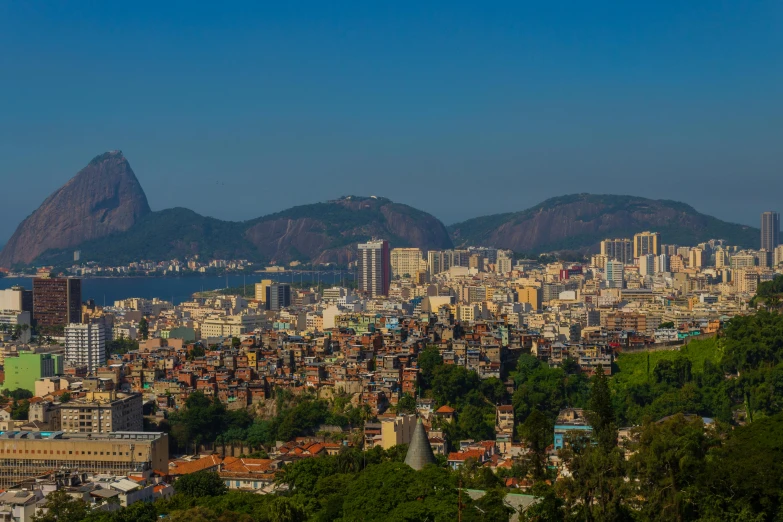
(57, 301)
(374, 267)
(278, 296)
(770, 231)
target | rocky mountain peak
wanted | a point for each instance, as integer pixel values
(101, 199)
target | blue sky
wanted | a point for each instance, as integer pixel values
(461, 109)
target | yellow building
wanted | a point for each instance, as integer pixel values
(397, 430)
(646, 243)
(26, 455)
(261, 290)
(530, 295)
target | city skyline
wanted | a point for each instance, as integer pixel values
(663, 103)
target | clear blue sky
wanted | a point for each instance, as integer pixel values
(460, 109)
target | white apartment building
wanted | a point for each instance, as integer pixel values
(124, 331)
(504, 262)
(12, 299)
(85, 345)
(614, 274)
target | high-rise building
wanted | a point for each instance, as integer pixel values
(617, 250)
(646, 243)
(504, 262)
(85, 345)
(278, 296)
(406, 262)
(696, 258)
(16, 299)
(57, 301)
(261, 290)
(437, 261)
(661, 263)
(770, 231)
(722, 258)
(778, 256)
(374, 267)
(647, 265)
(614, 274)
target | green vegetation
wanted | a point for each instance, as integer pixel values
(122, 346)
(633, 368)
(674, 468)
(769, 293)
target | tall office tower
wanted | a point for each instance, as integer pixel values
(618, 250)
(278, 296)
(57, 301)
(261, 290)
(646, 243)
(374, 267)
(770, 231)
(696, 258)
(614, 274)
(722, 258)
(406, 261)
(647, 264)
(661, 263)
(437, 262)
(85, 345)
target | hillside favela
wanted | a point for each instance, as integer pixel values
(391, 263)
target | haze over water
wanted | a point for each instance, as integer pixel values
(110, 289)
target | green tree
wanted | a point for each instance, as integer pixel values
(200, 484)
(670, 456)
(61, 507)
(406, 404)
(601, 412)
(144, 329)
(537, 431)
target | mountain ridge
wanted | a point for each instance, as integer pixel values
(74, 217)
(578, 222)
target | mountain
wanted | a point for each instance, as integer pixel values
(328, 232)
(102, 199)
(104, 213)
(319, 233)
(579, 222)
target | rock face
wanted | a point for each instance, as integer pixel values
(328, 232)
(103, 212)
(102, 199)
(579, 222)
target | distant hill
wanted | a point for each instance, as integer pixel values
(579, 222)
(103, 212)
(321, 232)
(103, 198)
